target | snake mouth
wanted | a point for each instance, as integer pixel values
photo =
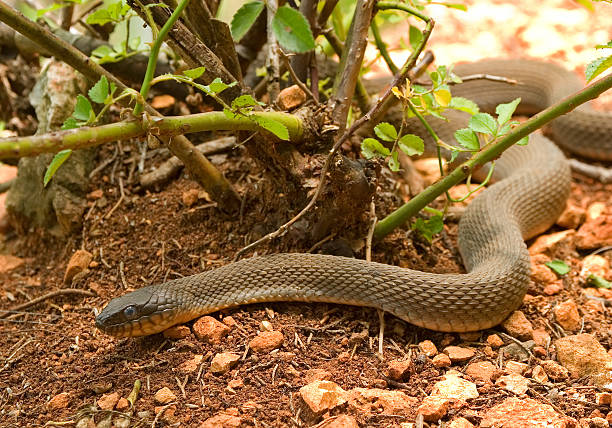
(142, 326)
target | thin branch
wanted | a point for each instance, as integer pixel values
(294, 76)
(382, 47)
(63, 292)
(272, 62)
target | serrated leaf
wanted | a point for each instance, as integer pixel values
(56, 162)
(273, 126)
(71, 123)
(194, 73)
(292, 30)
(415, 36)
(463, 104)
(385, 131)
(430, 227)
(394, 164)
(411, 144)
(83, 110)
(505, 111)
(99, 92)
(523, 141)
(244, 101)
(371, 147)
(598, 281)
(244, 18)
(442, 96)
(558, 266)
(483, 123)
(454, 154)
(467, 139)
(217, 86)
(595, 68)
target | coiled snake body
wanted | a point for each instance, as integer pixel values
(532, 185)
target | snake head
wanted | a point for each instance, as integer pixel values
(139, 313)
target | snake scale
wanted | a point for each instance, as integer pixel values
(532, 184)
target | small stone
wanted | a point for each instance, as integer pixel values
(547, 242)
(595, 210)
(343, 357)
(481, 370)
(452, 386)
(266, 325)
(8, 262)
(514, 351)
(471, 336)
(177, 332)
(78, 263)
(539, 351)
(433, 408)
(441, 360)
(458, 354)
(516, 367)
(428, 348)
(513, 383)
(603, 398)
(595, 233)
(222, 420)
(229, 321)
(322, 395)
(517, 325)
(267, 341)
(364, 400)
(460, 423)
(566, 314)
(539, 374)
(554, 370)
(235, 383)
(210, 330)
(494, 341)
(162, 101)
(595, 264)
(108, 401)
(164, 396)
(598, 422)
(190, 197)
(583, 355)
(523, 413)
(572, 217)
(317, 374)
(541, 337)
(542, 274)
(191, 365)
(553, 289)
(59, 402)
(96, 194)
(399, 369)
(223, 362)
(340, 421)
(122, 404)
(291, 97)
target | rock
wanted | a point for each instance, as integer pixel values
(441, 360)
(266, 325)
(210, 330)
(516, 367)
(583, 355)
(376, 400)
(452, 386)
(542, 274)
(235, 383)
(566, 314)
(595, 264)
(164, 396)
(108, 401)
(428, 348)
(541, 337)
(177, 332)
(59, 402)
(8, 262)
(167, 414)
(481, 370)
(162, 101)
(470, 336)
(190, 366)
(267, 341)
(539, 374)
(513, 383)
(322, 395)
(122, 404)
(78, 263)
(460, 423)
(433, 408)
(458, 354)
(223, 362)
(343, 357)
(514, 351)
(523, 413)
(572, 217)
(598, 422)
(595, 233)
(517, 325)
(603, 398)
(554, 288)
(554, 370)
(494, 341)
(222, 420)
(340, 421)
(229, 321)
(399, 369)
(317, 374)
(547, 242)
(190, 197)
(595, 210)
(291, 97)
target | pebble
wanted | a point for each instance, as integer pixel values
(595, 264)
(222, 420)
(452, 386)
(190, 366)
(122, 404)
(267, 341)
(541, 337)
(523, 413)
(595, 233)
(516, 367)
(517, 325)
(78, 263)
(428, 348)
(542, 274)
(190, 197)
(571, 217)
(433, 408)
(595, 210)
(470, 336)
(317, 374)
(235, 383)
(108, 401)
(481, 370)
(460, 423)
(340, 421)
(210, 330)
(458, 354)
(177, 332)
(389, 402)
(566, 314)
(266, 325)
(547, 242)
(441, 361)
(603, 398)
(583, 355)
(223, 362)
(322, 395)
(58, 402)
(539, 374)
(399, 369)
(494, 341)
(514, 383)
(553, 289)
(291, 97)
(164, 396)
(554, 370)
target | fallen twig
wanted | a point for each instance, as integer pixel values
(63, 292)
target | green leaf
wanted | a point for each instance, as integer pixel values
(428, 228)
(99, 92)
(415, 36)
(467, 139)
(217, 86)
(292, 30)
(411, 144)
(273, 126)
(457, 6)
(385, 131)
(194, 73)
(463, 104)
(523, 141)
(114, 12)
(484, 123)
(244, 18)
(442, 96)
(83, 110)
(454, 154)
(587, 4)
(505, 111)
(394, 164)
(607, 45)
(71, 123)
(598, 281)
(56, 162)
(595, 68)
(558, 266)
(244, 101)
(371, 147)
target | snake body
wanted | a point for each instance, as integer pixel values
(532, 185)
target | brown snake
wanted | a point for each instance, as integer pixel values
(532, 185)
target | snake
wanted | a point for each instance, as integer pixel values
(531, 185)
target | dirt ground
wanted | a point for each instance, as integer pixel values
(54, 348)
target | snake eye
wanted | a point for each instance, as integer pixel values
(130, 312)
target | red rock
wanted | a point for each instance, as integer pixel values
(162, 101)
(513, 383)
(433, 408)
(542, 274)
(59, 402)
(191, 365)
(376, 400)
(108, 401)
(554, 370)
(8, 262)
(322, 395)
(595, 233)
(441, 360)
(340, 421)
(470, 336)
(460, 423)
(516, 367)
(399, 369)
(317, 374)
(229, 321)
(452, 386)
(190, 197)
(122, 404)
(223, 362)
(566, 314)
(572, 217)
(553, 288)
(428, 348)
(481, 370)
(583, 355)
(541, 337)
(78, 263)
(539, 374)
(291, 97)
(96, 194)
(547, 242)
(523, 413)
(164, 396)
(494, 341)
(458, 354)
(177, 332)
(517, 325)
(603, 398)
(235, 383)
(595, 210)
(210, 330)
(267, 341)
(222, 420)
(595, 264)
